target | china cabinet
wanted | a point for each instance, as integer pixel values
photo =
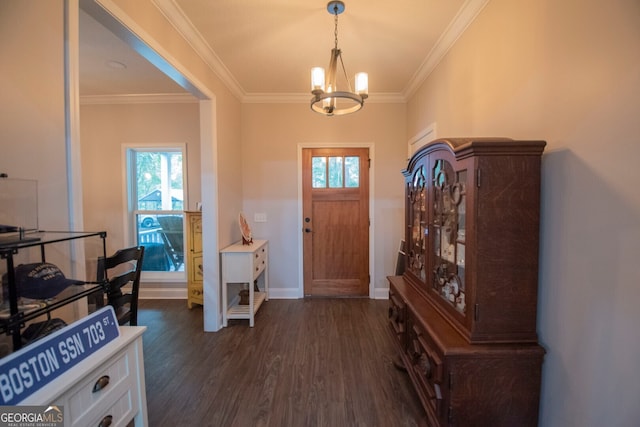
(472, 234)
(463, 313)
(194, 258)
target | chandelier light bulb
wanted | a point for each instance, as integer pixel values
(317, 79)
(362, 84)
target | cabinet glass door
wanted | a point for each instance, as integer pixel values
(417, 195)
(448, 225)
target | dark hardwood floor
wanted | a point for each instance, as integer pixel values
(311, 362)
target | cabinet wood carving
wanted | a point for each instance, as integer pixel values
(194, 259)
(464, 311)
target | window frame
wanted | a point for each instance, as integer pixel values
(130, 202)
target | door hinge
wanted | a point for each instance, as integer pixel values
(450, 381)
(369, 160)
(478, 177)
(369, 279)
(476, 312)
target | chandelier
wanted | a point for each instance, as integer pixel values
(329, 100)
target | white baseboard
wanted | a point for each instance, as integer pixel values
(283, 293)
(162, 293)
(289, 293)
(381, 293)
(274, 293)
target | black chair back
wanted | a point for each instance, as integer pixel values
(121, 269)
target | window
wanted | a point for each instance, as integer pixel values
(156, 190)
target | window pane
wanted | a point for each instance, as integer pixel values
(319, 172)
(159, 180)
(335, 172)
(352, 171)
(163, 241)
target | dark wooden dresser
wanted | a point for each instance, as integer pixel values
(464, 311)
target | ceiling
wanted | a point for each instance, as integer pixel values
(264, 49)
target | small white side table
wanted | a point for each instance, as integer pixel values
(245, 264)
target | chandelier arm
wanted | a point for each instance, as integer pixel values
(346, 77)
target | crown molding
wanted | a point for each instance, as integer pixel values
(304, 98)
(174, 14)
(183, 25)
(259, 98)
(466, 15)
(159, 98)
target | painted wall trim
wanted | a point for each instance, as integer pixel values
(467, 14)
(152, 98)
(163, 293)
(423, 137)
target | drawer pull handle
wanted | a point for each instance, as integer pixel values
(102, 382)
(106, 421)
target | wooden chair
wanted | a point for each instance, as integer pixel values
(121, 269)
(172, 233)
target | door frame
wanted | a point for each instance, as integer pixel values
(370, 146)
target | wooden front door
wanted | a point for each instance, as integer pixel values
(335, 191)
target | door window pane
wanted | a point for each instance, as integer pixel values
(335, 172)
(352, 171)
(319, 171)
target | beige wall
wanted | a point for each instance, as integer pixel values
(220, 137)
(33, 136)
(105, 130)
(270, 138)
(567, 72)
(229, 168)
(160, 34)
(32, 120)
(32, 123)
(32, 132)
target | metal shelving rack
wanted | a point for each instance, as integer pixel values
(11, 323)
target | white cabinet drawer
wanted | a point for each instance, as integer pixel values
(84, 404)
(259, 261)
(119, 414)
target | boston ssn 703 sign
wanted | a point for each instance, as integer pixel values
(31, 368)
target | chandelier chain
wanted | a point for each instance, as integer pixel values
(335, 33)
